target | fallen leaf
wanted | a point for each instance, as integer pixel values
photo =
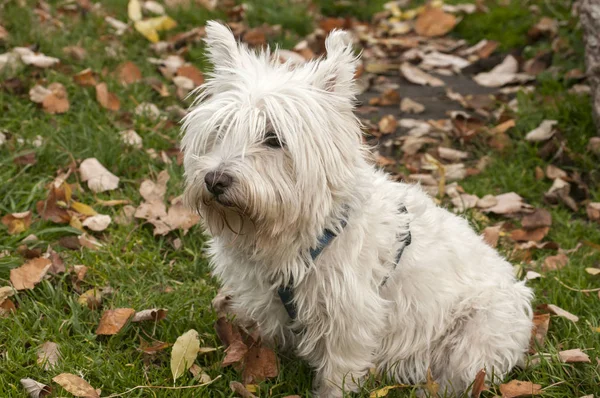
(7, 307)
(129, 73)
(26, 159)
(85, 78)
(452, 154)
(97, 223)
(239, 388)
(543, 132)
(3, 33)
(591, 271)
(107, 99)
(76, 52)
(260, 364)
(388, 124)
(184, 353)
(154, 314)
(17, 222)
(517, 388)
(48, 355)
(126, 216)
(383, 392)
(76, 385)
(526, 235)
(507, 203)
(545, 26)
(29, 274)
(531, 275)
(35, 389)
(91, 298)
(593, 211)
(478, 384)
(553, 263)
(119, 26)
(134, 10)
(6, 292)
(487, 201)
(153, 348)
(431, 386)
(153, 7)
(131, 138)
(149, 28)
(235, 352)
(36, 59)
(541, 324)
(192, 73)
(415, 75)
(112, 321)
(553, 172)
(491, 235)
(556, 310)
(148, 110)
(504, 73)
(408, 105)
(99, 179)
(574, 356)
(433, 22)
(83, 209)
(559, 191)
(538, 219)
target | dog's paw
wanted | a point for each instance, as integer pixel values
(222, 303)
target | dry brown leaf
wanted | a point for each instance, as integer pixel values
(3, 33)
(129, 73)
(30, 273)
(433, 22)
(538, 219)
(192, 73)
(50, 209)
(574, 356)
(76, 52)
(517, 388)
(153, 348)
(239, 388)
(415, 75)
(504, 73)
(35, 389)
(553, 172)
(99, 179)
(6, 292)
(7, 307)
(507, 203)
(97, 223)
(431, 386)
(452, 154)
(541, 324)
(235, 353)
(543, 132)
(126, 216)
(526, 235)
(76, 385)
(36, 59)
(556, 310)
(17, 222)
(107, 99)
(112, 321)
(260, 364)
(559, 191)
(154, 314)
(388, 124)
(408, 105)
(593, 211)
(478, 384)
(553, 263)
(85, 78)
(48, 355)
(178, 217)
(504, 127)
(491, 235)
(91, 298)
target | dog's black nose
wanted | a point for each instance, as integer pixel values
(217, 182)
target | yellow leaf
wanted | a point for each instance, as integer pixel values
(184, 353)
(382, 392)
(251, 387)
(151, 26)
(83, 209)
(134, 10)
(76, 223)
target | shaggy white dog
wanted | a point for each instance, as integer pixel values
(323, 252)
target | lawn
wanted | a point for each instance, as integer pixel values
(145, 271)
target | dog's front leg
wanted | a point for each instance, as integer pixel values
(342, 340)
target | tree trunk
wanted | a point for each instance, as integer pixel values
(589, 11)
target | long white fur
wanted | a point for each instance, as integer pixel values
(451, 305)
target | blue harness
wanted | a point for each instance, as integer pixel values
(286, 292)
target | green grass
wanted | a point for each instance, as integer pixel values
(141, 267)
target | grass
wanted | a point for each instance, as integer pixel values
(149, 272)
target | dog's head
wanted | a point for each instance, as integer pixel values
(272, 144)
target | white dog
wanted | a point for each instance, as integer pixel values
(323, 252)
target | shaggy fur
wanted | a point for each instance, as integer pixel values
(451, 305)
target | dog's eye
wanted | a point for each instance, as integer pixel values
(272, 141)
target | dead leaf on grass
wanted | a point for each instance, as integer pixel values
(507, 203)
(538, 219)
(517, 388)
(415, 75)
(504, 73)
(541, 324)
(76, 52)
(239, 388)
(91, 298)
(543, 132)
(150, 27)
(528, 235)
(97, 223)
(131, 138)
(433, 22)
(35, 389)
(451, 154)
(48, 355)
(112, 321)
(574, 356)
(30, 274)
(591, 271)
(491, 235)
(76, 385)
(593, 211)
(99, 179)
(6, 292)
(154, 314)
(107, 99)
(184, 353)
(388, 124)
(478, 384)
(408, 105)
(134, 10)
(192, 73)
(85, 78)
(17, 222)
(556, 310)
(129, 73)
(383, 392)
(260, 364)
(553, 263)
(559, 192)
(153, 348)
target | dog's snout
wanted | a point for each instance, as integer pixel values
(217, 182)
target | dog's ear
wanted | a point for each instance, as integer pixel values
(222, 48)
(336, 72)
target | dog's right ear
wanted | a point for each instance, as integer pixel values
(223, 50)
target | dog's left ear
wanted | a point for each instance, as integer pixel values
(223, 50)
(336, 72)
